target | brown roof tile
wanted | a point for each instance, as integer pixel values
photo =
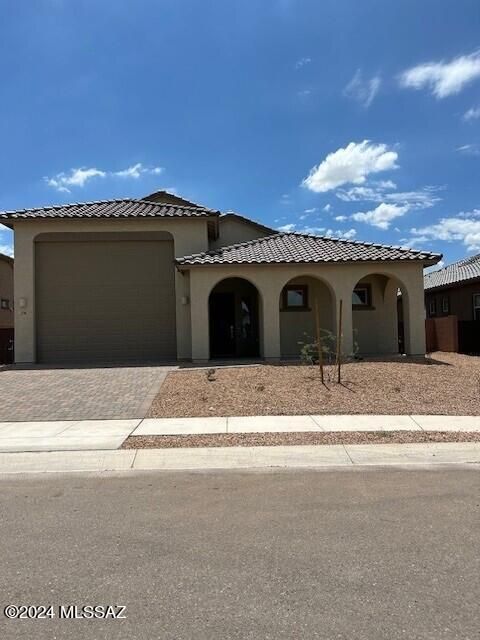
(300, 248)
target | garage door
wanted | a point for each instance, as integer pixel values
(105, 301)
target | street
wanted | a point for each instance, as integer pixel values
(357, 554)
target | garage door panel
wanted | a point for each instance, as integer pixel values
(105, 301)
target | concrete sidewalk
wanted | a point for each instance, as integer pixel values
(324, 423)
(84, 435)
(205, 459)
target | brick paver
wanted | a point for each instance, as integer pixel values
(78, 393)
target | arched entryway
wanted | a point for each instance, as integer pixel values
(379, 321)
(234, 325)
(299, 299)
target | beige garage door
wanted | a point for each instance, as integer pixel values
(105, 301)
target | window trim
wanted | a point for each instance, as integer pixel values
(368, 288)
(295, 287)
(475, 306)
(432, 307)
(446, 299)
(5, 304)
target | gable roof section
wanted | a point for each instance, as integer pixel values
(283, 248)
(461, 271)
(121, 208)
(165, 197)
(231, 215)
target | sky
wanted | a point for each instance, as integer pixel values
(354, 119)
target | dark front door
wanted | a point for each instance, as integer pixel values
(233, 325)
(222, 325)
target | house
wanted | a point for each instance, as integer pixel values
(455, 291)
(6, 308)
(162, 278)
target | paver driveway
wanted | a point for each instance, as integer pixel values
(78, 393)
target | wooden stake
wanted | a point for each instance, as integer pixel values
(319, 340)
(339, 343)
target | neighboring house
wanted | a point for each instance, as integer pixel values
(162, 278)
(6, 308)
(455, 291)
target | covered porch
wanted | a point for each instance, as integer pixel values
(267, 311)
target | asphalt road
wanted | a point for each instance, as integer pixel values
(337, 555)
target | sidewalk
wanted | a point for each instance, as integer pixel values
(105, 435)
(94, 445)
(205, 459)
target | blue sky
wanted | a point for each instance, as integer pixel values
(359, 119)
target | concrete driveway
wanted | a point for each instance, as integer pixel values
(363, 555)
(100, 393)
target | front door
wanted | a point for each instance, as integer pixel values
(222, 325)
(233, 325)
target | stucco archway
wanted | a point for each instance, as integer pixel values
(234, 311)
(379, 320)
(298, 299)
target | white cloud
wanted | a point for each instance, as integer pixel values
(385, 184)
(304, 93)
(469, 149)
(75, 178)
(287, 228)
(302, 62)
(443, 78)
(341, 218)
(6, 249)
(382, 215)
(472, 114)
(79, 177)
(327, 207)
(351, 164)
(420, 199)
(463, 228)
(346, 235)
(363, 91)
(312, 210)
(136, 170)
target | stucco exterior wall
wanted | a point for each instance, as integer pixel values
(233, 231)
(341, 279)
(193, 286)
(376, 328)
(189, 236)
(299, 326)
(6, 293)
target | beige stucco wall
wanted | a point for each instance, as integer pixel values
(341, 278)
(300, 326)
(6, 292)
(233, 231)
(376, 329)
(189, 236)
(192, 288)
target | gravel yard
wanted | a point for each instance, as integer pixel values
(305, 438)
(445, 383)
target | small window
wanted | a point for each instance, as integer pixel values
(295, 296)
(476, 306)
(362, 296)
(4, 303)
(445, 305)
(432, 307)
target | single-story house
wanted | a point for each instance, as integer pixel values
(455, 291)
(6, 307)
(161, 278)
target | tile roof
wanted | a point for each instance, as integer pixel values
(122, 208)
(466, 269)
(301, 248)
